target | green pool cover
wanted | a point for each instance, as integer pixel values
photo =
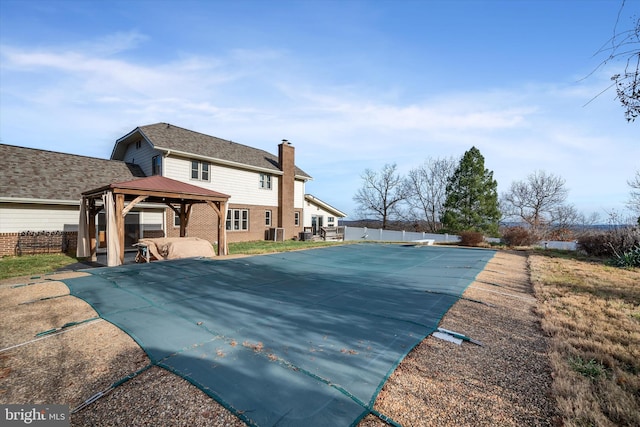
(303, 338)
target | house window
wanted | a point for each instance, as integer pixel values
(296, 219)
(267, 218)
(199, 170)
(331, 221)
(195, 169)
(138, 144)
(204, 171)
(238, 220)
(176, 219)
(156, 165)
(265, 181)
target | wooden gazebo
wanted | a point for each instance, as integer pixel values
(118, 199)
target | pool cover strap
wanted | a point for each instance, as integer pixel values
(298, 338)
(104, 392)
(65, 326)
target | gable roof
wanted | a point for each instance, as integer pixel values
(324, 205)
(160, 184)
(169, 138)
(32, 174)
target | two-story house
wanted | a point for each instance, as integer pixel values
(40, 190)
(267, 191)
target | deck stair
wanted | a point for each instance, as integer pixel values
(332, 233)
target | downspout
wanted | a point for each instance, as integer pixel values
(166, 155)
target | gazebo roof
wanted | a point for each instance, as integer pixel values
(160, 188)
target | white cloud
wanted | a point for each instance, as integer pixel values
(100, 77)
(115, 43)
(258, 97)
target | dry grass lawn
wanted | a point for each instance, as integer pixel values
(592, 314)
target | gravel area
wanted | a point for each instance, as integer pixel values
(156, 397)
(504, 382)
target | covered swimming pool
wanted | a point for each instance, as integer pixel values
(289, 339)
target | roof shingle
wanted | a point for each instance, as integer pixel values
(29, 173)
(169, 137)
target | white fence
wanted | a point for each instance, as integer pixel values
(380, 235)
(552, 244)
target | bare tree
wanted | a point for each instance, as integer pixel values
(625, 45)
(381, 193)
(427, 187)
(634, 196)
(564, 218)
(538, 201)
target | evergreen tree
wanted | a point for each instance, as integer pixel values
(472, 197)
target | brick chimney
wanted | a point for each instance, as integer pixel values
(286, 188)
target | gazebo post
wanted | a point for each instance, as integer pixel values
(120, 223)
(220, 208)
(222, 229)
(92, 228)
(183, 219)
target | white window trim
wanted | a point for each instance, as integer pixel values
(242, 220)
(266, 181)
(200, 171)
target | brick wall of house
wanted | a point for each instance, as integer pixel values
(8, 242)
(65, 242)
(258, 229)
(153, 234)
(203, 224)
(31, 243)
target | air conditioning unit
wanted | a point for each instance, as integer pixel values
(276, 234)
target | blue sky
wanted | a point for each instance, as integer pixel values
(352, 84)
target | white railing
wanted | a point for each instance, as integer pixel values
(380, 235)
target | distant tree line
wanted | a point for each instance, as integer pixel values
(441, 195)
(458, 195)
